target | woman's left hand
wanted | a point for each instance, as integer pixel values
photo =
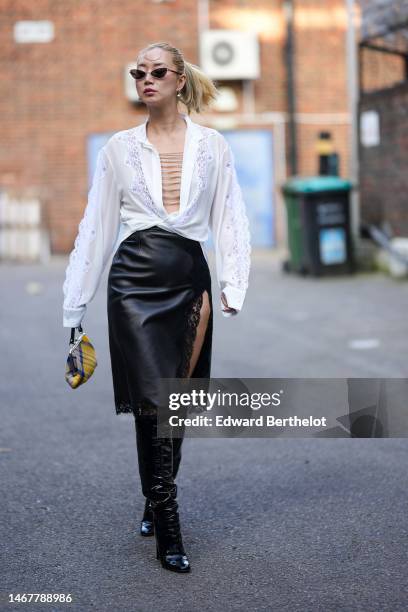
(227, 308)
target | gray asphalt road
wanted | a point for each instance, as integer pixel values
(286, 525)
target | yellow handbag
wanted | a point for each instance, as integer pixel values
(81, 361)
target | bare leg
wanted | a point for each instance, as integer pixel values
(200, 334)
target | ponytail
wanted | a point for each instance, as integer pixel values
(199, 90)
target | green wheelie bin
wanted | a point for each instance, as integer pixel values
(318, 223)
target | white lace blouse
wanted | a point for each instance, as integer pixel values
(126, 195)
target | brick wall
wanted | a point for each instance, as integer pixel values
(383, 168)
(55, 94)
(321, 80)
(380, 70)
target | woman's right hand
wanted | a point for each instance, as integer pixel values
(227, 308)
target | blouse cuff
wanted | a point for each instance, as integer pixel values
(235, 297)
(72, 317)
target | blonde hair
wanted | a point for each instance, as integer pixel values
(199, 90)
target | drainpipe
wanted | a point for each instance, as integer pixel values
(289, 60)
(353, 101)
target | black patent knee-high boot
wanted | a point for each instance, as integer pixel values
(163, 498)
(143, 432)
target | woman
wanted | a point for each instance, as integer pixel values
(157, 190)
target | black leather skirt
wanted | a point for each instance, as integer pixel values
(155, 290)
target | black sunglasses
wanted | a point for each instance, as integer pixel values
(157, 73)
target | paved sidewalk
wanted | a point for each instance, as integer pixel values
(282, 525)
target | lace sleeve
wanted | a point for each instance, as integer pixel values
(96, 238)
(230, 230)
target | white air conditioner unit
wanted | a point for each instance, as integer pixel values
(229, 54)
(130, 84)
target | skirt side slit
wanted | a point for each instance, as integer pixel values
(193, 318)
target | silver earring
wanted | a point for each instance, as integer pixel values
(178, 94)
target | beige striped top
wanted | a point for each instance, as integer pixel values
(171, 164)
